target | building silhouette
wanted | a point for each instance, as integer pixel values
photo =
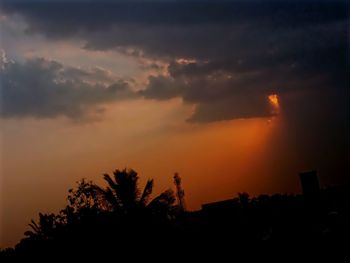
(310, 185)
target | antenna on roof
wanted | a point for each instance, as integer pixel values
(180, 193)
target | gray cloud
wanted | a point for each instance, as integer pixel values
(237, 107)
(241, 52)
(45, 89)
(96, 74)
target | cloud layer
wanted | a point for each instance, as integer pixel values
(225, 58)
(45, 89)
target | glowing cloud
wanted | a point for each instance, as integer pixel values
(273, 99)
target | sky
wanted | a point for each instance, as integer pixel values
(233, 95)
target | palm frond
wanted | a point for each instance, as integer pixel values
(110, 181)
(126, 188)
(34, 226)
(147, 191)
(164, 201)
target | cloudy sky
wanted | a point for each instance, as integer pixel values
(170, 86)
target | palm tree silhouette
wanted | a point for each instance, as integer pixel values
(124, 195)
(45, 227)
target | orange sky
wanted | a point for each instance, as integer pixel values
(216, 160)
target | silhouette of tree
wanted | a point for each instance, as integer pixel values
(84, 201)
(84, 197)
(124, 195)
(45, 227)
(115, 214)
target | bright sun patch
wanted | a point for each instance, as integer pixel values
(273, 99)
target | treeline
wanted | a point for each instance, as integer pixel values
(122, 217)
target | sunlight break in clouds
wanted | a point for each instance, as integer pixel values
(273, 99)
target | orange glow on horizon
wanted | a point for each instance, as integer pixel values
(215, 160)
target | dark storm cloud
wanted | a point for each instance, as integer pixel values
(238, 52)
(218, 95)
(185, 29)
(45, 89)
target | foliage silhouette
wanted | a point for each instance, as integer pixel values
(120, 219)
(124, 195)
(114, 215)
(45, 228)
